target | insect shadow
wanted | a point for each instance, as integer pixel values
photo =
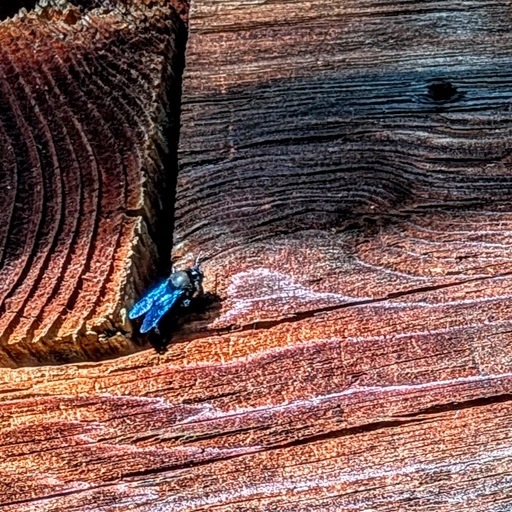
(173, 300)
(185, 322)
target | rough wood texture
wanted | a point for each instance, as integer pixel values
(321, 425)
(354, 212)
(352, 165)
(83, 131)
(300, 117)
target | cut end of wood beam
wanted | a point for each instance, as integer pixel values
(84, 149)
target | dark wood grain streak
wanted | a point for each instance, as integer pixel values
(306, 119)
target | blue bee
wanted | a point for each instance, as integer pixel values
(176, 290)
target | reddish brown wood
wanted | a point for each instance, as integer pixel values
(82, 138)
(188, 432)
(356, 353)
(351, 164)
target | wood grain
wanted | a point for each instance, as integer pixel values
(83, 137)
(352, 165)
(303, 116)
(314, 424)
(345, 174)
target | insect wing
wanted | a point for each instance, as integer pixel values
(145, 304)
(158, 309)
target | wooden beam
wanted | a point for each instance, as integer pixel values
(346, 178)
(83, 142)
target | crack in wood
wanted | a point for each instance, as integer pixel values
(300, 316)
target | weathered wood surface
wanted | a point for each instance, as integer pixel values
(316, 427)
(354, 212)
(84, 112)
(352, 165)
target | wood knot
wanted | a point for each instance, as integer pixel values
(442, 91)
